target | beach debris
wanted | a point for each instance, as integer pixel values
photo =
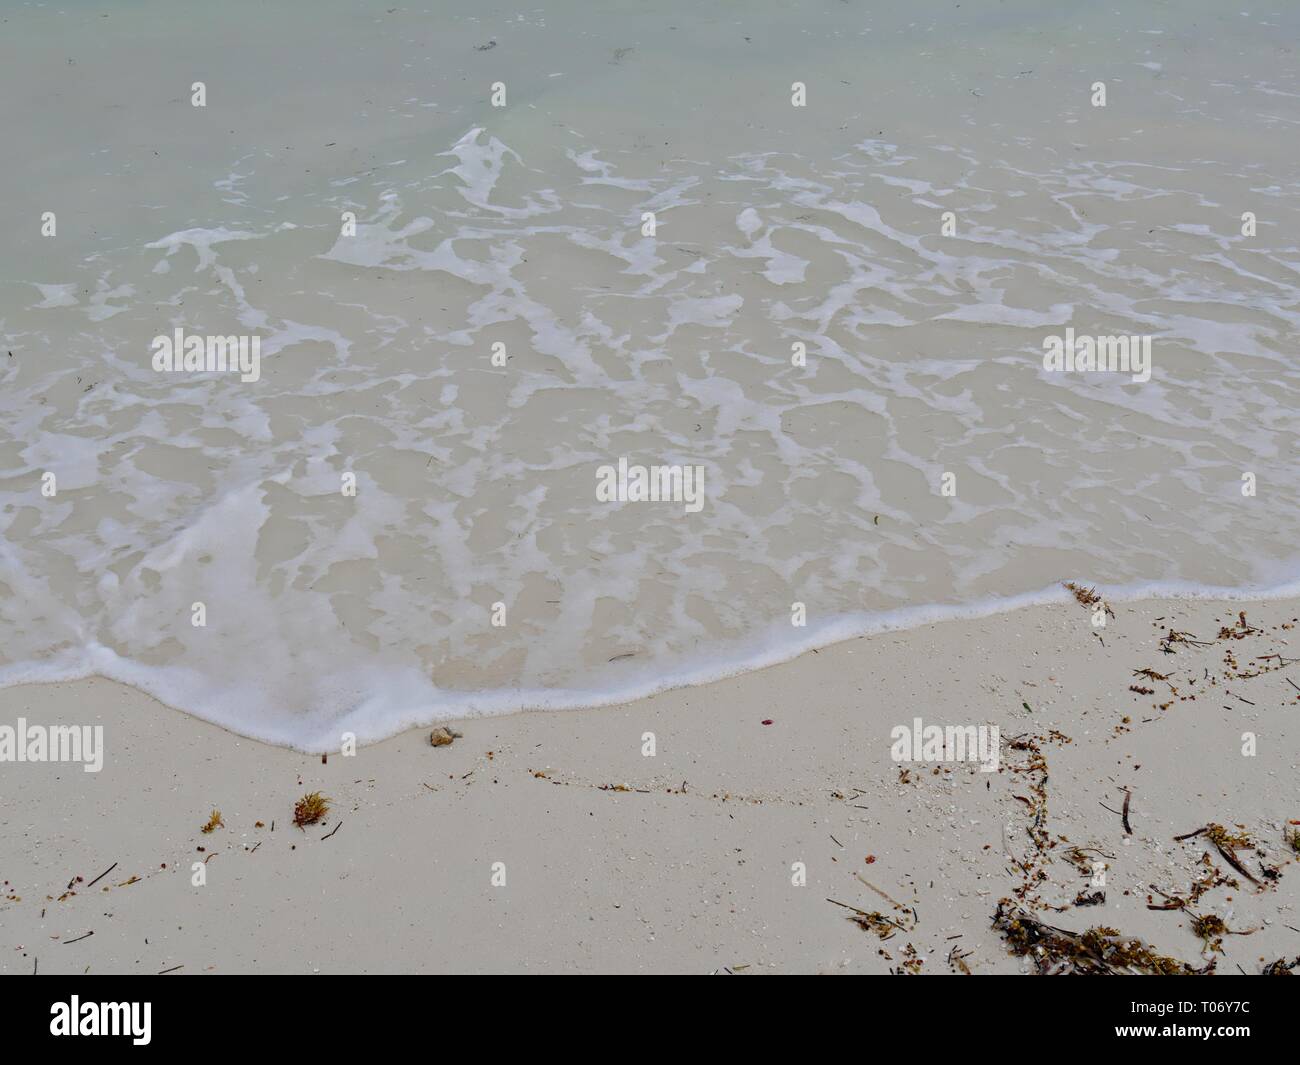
(1214, 877)
(1088, 597)
(1281, 967)
(957, 960)
(890, 899)
(1036, 769)
(1078, 857)
(1173, 637)
(1172, 902)
(1096, 898)
(310, 809)
(443, 736)
(1226, 844)
(872, 921)
(1239, 631)
(214, 822)
(1292, 837)
(104, 874)
(911, 964)
(1211, 928)
(1097, 951)
(767, 721)
(330, 832)
(492, 43)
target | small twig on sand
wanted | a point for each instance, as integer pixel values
(171, 970)
(102, 875)
(1173, 903)
(916, 917)
(69, 942)
(1231, 859)
(893, 902)
(1127, 798)
(335, 829)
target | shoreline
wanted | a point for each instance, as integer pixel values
(731, 659)
(685, 861)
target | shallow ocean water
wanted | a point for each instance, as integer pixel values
(522, 226)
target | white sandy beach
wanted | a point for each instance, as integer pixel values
(690, 871)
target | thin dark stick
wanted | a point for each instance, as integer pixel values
(171, 970)
(68, 943)
(102, 875)
(336, 828)
(1127, 797)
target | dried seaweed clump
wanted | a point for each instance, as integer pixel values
(214, 822)
(1227, 844)
(874, 922)
(1212, 929)
(1098, 951)
(1281, 967)
(1221, 837)
(310, 809)
(1239, 631)
(1088, 597)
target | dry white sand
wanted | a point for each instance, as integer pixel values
(691, 870)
